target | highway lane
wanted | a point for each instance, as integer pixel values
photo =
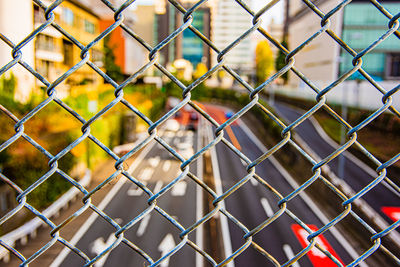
(355, 175)
(252, 204)
(154, 233)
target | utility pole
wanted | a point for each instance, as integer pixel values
(286, 21)
(343, 133)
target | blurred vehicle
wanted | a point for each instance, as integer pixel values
(229, 114)
(185, 150)
(178, 114)
(172, 125)
(194, 116)
(191, 127)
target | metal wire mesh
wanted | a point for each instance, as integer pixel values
(218, 137)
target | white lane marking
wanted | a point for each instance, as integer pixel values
(199, 197)
(179, 189)
(267, 207)
(166, 245)
(135, 190)
(82, 230)
(339, 237)
(98, 246)
(166, 165)
(226, 237)
(289, 254)
(157, 187)
(143, 225)
(146, 174)
(243, 162)
(154, 161)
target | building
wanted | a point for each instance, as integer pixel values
(55, 53)
(187, 45)
(129, 54)
(229, 22)
(16, 22)
(359, 24)
(362, 25)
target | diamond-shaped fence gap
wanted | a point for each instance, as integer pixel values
(8, 125)
(324, 47)
(241, 197)
(252, 253)
(152, 226)
(25, 163)
(327, 196)
(371, 135)
(172, 202)
(92, 247)
(363, 234)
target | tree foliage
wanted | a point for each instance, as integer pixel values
(280, 61)
(264, 61)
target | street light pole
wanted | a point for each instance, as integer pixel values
(343, 133)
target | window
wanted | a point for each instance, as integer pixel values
(89, 27)
(77, 21)
(68, 53)
(393, 65)
(68, 16)
(44, 42)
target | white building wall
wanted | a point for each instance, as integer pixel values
(16, 22)
(229, 22)
(318, 61)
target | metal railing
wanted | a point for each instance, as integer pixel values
(348, 198)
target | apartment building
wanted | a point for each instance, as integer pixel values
(55, 53)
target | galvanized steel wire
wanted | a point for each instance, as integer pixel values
(153, 126)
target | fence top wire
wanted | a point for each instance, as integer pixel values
(154, 130)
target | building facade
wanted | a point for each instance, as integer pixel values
(187, 45)
(362, 25)
(359, 24)
(16, 22)
(229, 22)
(55, 54)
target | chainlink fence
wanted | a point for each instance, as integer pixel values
(249, 235)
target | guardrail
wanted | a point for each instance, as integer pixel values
(30, 228)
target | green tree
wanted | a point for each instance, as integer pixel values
(112, 69)
(264, 61)
(8, 85)
(280, 61)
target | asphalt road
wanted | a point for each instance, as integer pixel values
(252, 204)
(355, 175)
(154, 234)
